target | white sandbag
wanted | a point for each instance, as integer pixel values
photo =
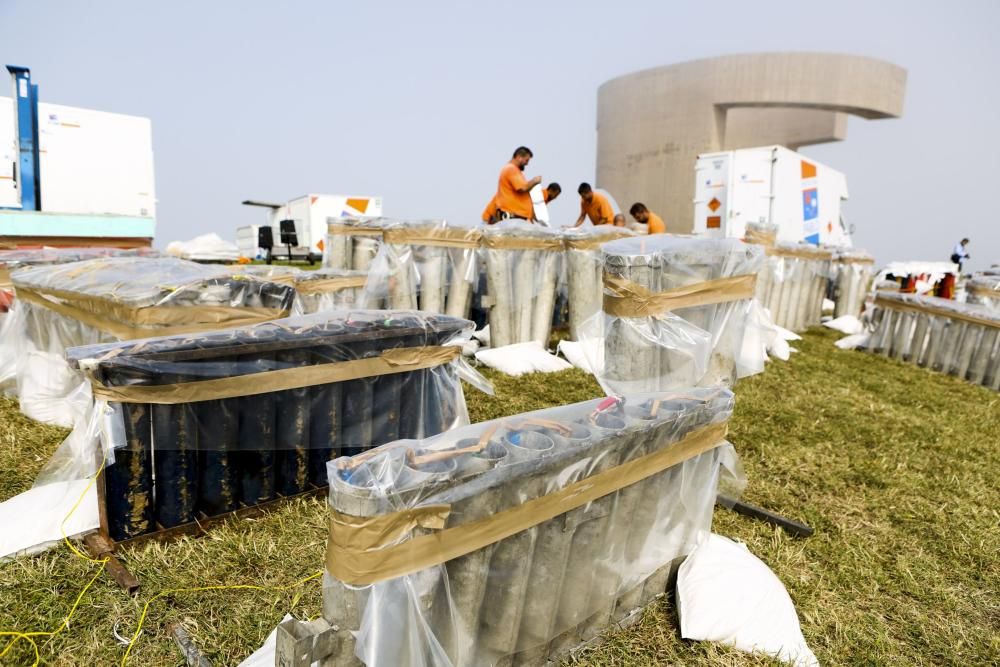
(854, 341)
(728, 595)
(207, 247)
(787, 334)
(579, 353)
(521, 358)
(828, 305)
(31, 520)
(847, 324)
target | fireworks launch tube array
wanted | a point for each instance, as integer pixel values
(584, 268)
(794, 281)
(353, 243)
(513, 541)
(522, 265)
(328, 289)
(983, 290)
(959, 339)
(203, 424)
(675, 313)
(425, 265)
(122, 298)
(853, 278)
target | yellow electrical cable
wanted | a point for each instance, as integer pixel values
(29, 636)
(199, 589)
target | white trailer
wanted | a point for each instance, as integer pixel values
(770, 184)
(90, 162)
(310, 213)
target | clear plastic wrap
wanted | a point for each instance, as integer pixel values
(353, 243)
(328, 289)
(983, 290)
(513, 541)
(425, 265)
(676, 313)
(197, 425)
(522, 268)
(853, 271)
(108, 299)
(795, 283)
(269, 273)
(584, 267)
(959, 339)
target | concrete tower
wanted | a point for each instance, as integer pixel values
(652, 124)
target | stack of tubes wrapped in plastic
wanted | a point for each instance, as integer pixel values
(960, 339)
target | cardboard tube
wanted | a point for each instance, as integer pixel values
(981, 357)
(499, 270)
(292, 430)
(919, 339)
(967, 348)
(630, 359)
(218, 430)
(527, 270)
(464, 263)
(433, 278)
(904, 333)
(544, 300)
(364, 251)
(175, 459)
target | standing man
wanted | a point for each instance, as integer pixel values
(654, 223)
(959, 254)
(595, 206)
(512, 199)
(491, 214)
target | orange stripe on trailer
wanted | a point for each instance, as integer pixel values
(358, 204)
(808, 170)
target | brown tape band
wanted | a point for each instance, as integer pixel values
(399, 360)
(976, 290)
(444, 237)
(5, 282)
(624, 298)
(327, 285)
(284, 279)
(350, 230)
(494, 242)
(940, 312)
(126, 322)
(854, 260)
(592, 243)
(366, 550)
(760, 238)
(800, 253)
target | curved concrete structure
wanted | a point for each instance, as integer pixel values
(652, 124)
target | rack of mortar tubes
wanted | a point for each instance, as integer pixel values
(353, 243)
(204, 426)
(675, 311)
(947, 336)
(522, 264)
(794, 281)
(328, 289)
(426, 265)
(584, 268)
(853, 270)
(516, 541)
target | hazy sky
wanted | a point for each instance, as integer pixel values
(422, 102)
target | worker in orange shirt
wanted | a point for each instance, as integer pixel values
(595, 206)
(654, 223)
(512, 199)
(492, 212)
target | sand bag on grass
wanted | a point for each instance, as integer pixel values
(726, 594)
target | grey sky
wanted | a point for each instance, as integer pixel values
(422, 102)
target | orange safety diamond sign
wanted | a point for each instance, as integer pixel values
(714, 205)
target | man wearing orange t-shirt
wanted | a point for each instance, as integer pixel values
(491, 213)
(654, 223)
(512, 199)
(595, 206)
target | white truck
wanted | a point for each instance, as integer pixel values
(309, 213)
(770, 184)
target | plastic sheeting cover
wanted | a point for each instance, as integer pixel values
(545, 588)
(695, 345)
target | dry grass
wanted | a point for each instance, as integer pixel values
(894, 467)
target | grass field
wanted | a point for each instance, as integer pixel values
(895, 467)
